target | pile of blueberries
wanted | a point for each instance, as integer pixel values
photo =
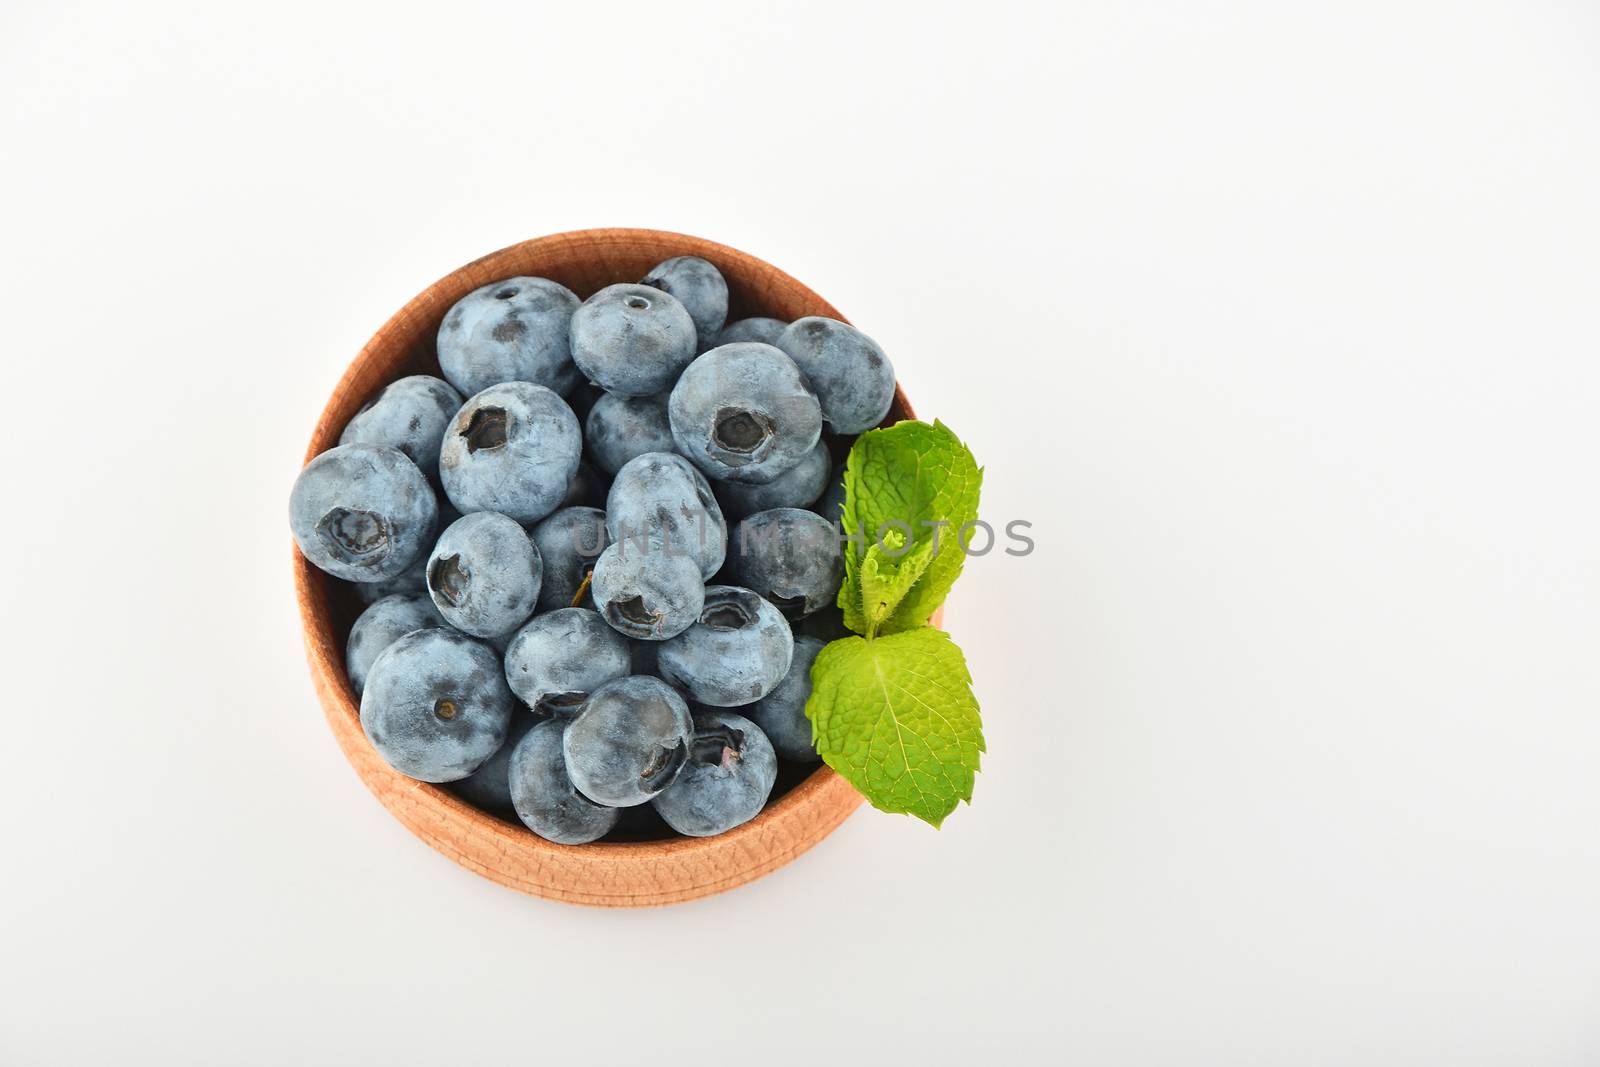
(561, 621)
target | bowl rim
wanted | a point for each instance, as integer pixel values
(814, 806)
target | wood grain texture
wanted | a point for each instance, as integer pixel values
(609, 874)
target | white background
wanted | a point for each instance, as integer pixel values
(1280, 326)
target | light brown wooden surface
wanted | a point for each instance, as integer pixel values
(611, 874)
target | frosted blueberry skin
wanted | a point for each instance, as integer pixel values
(791, 557)
(513, 448)
(489, 787)
(725, 783)
(646, 593)
(699, 287)
(736, 653)
(410, 415)
(559, 658)
(796, 487)
(831, 504)
(629, 742)
(484, 574)
(363, 513)
(660, 502)
(632, 339)
(744, 413)
(514, 330)
(763, 330)
(383, 623)
(569, 542)
(621, 428)
(543, 795)
(436, 705)
(781, 714)
(851, 376)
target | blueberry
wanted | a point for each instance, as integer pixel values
(543, 794)
(632, 339)
(489, 787)
(737, 651)
(781, 714)
(629, 742)
(410, 415)
(515, 330)
(647, 594)
(757, 329)
(725, 783)
(850, 374)
(514, 449)
(744, 413)
(831, 504)
(791, 557)
(436, 705)
(659, 501)
(363, 513)
(796, 487)
(569, 542)
(484, 574)
(699, 287)
(559, 658)
(620, 428)
(381, 625)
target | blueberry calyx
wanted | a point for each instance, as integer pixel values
(725, 616)
(665, 762)
(445, 709)
(637, 302)
(564, 703)
(353, 536)
(449, 579)
(721, 747)
(632, 617)
(507, 293)
(740, 433)
(487, 429)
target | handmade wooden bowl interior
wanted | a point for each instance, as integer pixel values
(651, 868)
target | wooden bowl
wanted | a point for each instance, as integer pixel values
(609, 873)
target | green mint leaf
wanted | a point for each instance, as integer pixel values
(885, 581)
(896, 717)
(907, 479)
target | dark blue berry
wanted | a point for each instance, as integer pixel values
(629, 742)
(436, 705)
(736, 652)
(514, 330)
(725, 783)
(363, 513)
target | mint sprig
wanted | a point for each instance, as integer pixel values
(910, 480)
(901, 722)
(893, 710)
